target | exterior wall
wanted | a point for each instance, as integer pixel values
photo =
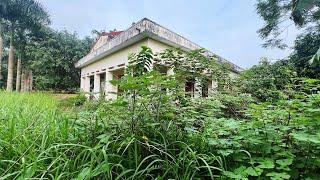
(120, 57)
(105, 66)
(157, 46)
(118, 60)
(113, 60)
(233, 75)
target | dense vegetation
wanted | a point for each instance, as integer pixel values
(263, 124)
(56, 52)
(150, 133)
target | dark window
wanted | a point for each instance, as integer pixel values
(117, 75)
(102, 84)
(205, 88)
(189, 88)
(91, 86)
(91, 83)
(120, 91)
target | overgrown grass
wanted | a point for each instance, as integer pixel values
(39, 141)
(151, 136)
(30, 124)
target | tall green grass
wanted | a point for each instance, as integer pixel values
(29, 124)
(140, 139)
(38, 140)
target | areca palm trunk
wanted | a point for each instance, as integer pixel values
(18, 79)
(23, 79)
(1, 51)
(1, 47)
(10, 65)
(31, 81)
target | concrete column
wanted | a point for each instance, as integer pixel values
(82, 81)
(213, 87)
(96, 86)
(210, 90)
(170, 72)
(111, 90)
(86, 86)
(197, 88)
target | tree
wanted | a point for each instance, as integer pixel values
(21, 15)
(306, 45)
(267, 81)
(279, 14)
(1, 51)
(2, 9)
(53, 56)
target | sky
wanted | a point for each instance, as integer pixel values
(225, 27)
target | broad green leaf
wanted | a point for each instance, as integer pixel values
(232, 175)
(284, 162)
(306, 137)
(254, 171)
(278, 176)
(240, 170)
(316, 57)
(266, 163)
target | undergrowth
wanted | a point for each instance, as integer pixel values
(154, 131)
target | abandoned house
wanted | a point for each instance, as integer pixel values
(109, 56)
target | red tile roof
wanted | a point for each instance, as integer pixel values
(112, 33)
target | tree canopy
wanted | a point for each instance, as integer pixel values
(278, 15)
(52, 58)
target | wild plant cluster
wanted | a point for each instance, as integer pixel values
(154, 130)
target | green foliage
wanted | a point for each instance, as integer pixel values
(305, 48)
(77, 100)
(267, 81)
(154, 131)
(305, 11)
(305, 14)
(53, 57)
(277, 13)
(140, 62)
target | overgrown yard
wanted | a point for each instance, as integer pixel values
(199, 138)
(246, 129)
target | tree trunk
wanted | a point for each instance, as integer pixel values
(18, 79)
(10, 65)
(26, 82)
(1, 47)
(31, 81)
(23, 79)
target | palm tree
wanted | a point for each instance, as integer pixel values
(22, 15)
(1, 47)
(2, 9)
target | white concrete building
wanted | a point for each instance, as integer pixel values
(109, 56)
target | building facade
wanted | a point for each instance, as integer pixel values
(109, 56)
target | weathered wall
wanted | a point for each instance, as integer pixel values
(114, 60)
(120, 57)
(157, 46)
(101, 41)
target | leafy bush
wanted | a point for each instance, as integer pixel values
(267, 81)
(77, 100)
